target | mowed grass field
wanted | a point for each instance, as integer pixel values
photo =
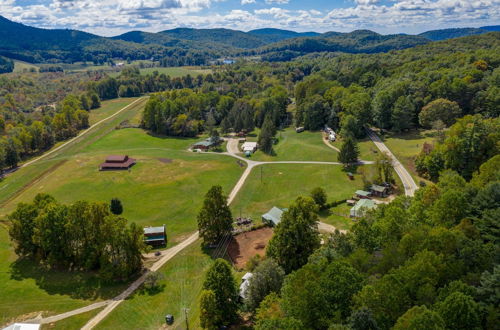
(166, 186)
(180, 288)
(282, 183)
(407, 146)
(297, 146)
(367, 149)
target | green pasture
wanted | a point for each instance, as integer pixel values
(297, 146)
(108, 108)
(367, 149)
(407, 146)
(166, 186)
(73, 322)
(180, 288)
(280, 184)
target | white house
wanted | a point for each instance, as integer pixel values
(249, 146)
(245, 282)
(332, 137)
(23, 326)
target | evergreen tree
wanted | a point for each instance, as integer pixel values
(209, 315)
(220, 280)
(266, 135)
(349, 151)
(362, 319)
(215, 219)
(296, 236)
(116, 206)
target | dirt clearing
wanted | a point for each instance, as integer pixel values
(246, 245)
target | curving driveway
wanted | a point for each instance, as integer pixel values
(407, 180)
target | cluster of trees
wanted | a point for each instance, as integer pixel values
(81, 236)
(423, 262)
(6, 65)
(187, 112)
(467, 144)
(30, 136)
(418, 87)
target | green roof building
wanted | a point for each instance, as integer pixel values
(363, 205)
(273, 217)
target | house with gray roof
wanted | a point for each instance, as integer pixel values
(273, 217)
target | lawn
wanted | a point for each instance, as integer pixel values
(108, 108)
(167, 186)
(282, 183)
(367, 149)
(181, 288)
(22, 179)
(407, 146)
(20, 66)
(297, 146)
(29, 290)
(73, 322)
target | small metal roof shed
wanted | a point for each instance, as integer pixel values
(273, 216)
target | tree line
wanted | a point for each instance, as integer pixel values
(81, 236)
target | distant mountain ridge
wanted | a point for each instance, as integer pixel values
(189, 46)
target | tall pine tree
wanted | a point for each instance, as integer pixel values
(266, 135)
(349, 151)
(215, 219)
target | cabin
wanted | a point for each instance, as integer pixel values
(115, 162)
(250, 147)
(245, 283)
(273, 217)
(204, 145)
(155, 236)
(362, 194)
(379, 191)
(361, 206)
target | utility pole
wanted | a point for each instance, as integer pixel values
(186, 317)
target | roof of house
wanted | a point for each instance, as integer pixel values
(154, 230)
(249, 145)
(362, 193)
(364, 203)
(124, 162)
(244, 284)
(116, 158)
(23, 326)
(205, 143)
(274, 215)
(378, 188)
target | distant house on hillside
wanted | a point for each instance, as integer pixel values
(115, 162)
(156, 236)
(273, 217)
(361, 206)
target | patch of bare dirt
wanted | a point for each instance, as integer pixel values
(246, 245)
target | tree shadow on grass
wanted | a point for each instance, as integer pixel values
(75, 284)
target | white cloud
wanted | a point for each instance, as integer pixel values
(278, 2)
(118, 16)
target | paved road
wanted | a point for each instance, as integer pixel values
(82, 133)
(408, 182)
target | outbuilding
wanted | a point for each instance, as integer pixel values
(362, 194)
(23, 326)
(245, 283)
(361, 206)
(249, 147)
(115, 162)
(273, 217)
(379, 191)
(156, 236)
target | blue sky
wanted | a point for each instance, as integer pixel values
(112, 17)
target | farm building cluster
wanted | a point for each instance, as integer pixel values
(206, 144)
(362, 200)
(332, 136)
